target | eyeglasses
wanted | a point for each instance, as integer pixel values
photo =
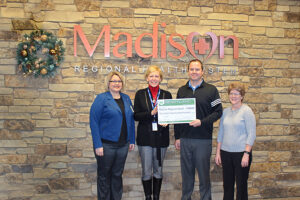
(115, 81)
(234, 94)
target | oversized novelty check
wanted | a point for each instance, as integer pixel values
(176, 111)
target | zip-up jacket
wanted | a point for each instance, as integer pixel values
(208, 110)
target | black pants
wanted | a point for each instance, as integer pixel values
(110, 168)
(234, 172)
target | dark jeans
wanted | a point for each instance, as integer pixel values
(234, 172)
(195, 155)
(110, 168)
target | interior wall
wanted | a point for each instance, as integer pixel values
(45, 141)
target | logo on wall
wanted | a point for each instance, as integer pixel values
(39, 54)
(199, 47)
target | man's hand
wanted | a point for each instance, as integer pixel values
(195, 123)
(177, 144)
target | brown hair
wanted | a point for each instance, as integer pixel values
(237, 86)
(154, 68)
(110, 75)
(195, 60)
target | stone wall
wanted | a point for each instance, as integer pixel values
(45, 143)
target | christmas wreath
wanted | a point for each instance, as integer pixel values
(40, 53)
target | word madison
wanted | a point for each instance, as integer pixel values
(199, 47)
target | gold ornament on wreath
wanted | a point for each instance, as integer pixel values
(40, 53)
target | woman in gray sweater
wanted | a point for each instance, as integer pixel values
(237, 133)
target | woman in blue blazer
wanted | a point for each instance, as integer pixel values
(113, 132)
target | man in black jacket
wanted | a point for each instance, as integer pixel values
(194, 140)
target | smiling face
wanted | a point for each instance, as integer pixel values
(115, 84)
(235, 97)
(154, 78)
(195, 71)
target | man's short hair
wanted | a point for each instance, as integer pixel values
(195, 60)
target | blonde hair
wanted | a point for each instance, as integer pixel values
(110, 75)
(153, 68)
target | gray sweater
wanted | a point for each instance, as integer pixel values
(237, 128)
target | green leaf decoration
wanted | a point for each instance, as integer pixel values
(40, 54)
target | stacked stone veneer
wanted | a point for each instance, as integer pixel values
(45, 143)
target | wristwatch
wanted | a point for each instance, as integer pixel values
(247, 152)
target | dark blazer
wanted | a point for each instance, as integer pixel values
(142, 114)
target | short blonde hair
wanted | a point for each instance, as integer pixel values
(153, 68)
(110, 75)
(237, 86)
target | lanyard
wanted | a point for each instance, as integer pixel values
(150, 97)
(154, 123)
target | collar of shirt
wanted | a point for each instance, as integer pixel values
(154, 91)
(194, 88)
